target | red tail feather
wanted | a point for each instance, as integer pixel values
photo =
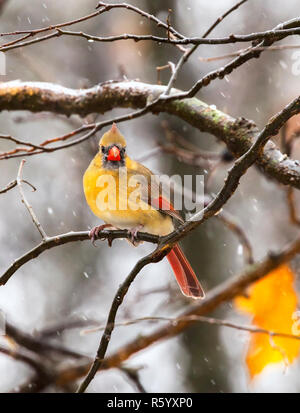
(185, 276)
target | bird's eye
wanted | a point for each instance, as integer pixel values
(102, 149)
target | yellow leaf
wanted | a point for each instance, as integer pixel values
(273, 302)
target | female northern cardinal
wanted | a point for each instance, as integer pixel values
(118, 208)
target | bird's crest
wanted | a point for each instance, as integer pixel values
(113, 136)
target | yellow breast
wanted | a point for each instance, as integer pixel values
(111, 199)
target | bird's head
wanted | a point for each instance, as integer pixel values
(113, 148)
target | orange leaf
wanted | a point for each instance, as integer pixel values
(273, 302)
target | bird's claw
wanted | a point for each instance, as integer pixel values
(94, 234)
(133, 234)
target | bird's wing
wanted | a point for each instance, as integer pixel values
(152, 191)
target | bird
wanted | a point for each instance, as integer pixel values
(119, 191)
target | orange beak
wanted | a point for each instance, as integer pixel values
(114, 154)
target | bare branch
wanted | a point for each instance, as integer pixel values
(103, 7)
(9, 186)
(57, 240)
(18, 355)
(13, 184)
(27, 205)
(238, 52)
(271, 36)
(233, 226)
(158, 22)
(202, 319)
(38, 345)
(133, 375)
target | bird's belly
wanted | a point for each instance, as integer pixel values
(111, 211)
(151, 221)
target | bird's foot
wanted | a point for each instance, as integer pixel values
(133, 234)
(94, 233)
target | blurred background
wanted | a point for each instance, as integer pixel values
(78, 281)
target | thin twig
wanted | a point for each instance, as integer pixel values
(233, 226)
(158, 22)
(33, 363)
(36, 344)
(58, 328)
(27, 205)
(9, 186)
(13, 184)
(239, 52)
(133, 375)
(202, 319)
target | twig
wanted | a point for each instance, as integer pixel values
(198, 158)
(20, 142)
(158, 22)
(238, 52)
(52, 27)
(59, 328)
(202, 319)
(41, 371)
(221, 18)
(9, 186)
(37, 345)
(13, 184)
(27, 205)
(133, 375)
(233, 226)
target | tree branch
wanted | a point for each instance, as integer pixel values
(202, 319)
(28, 206)
(62, 239)
(238, 134)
